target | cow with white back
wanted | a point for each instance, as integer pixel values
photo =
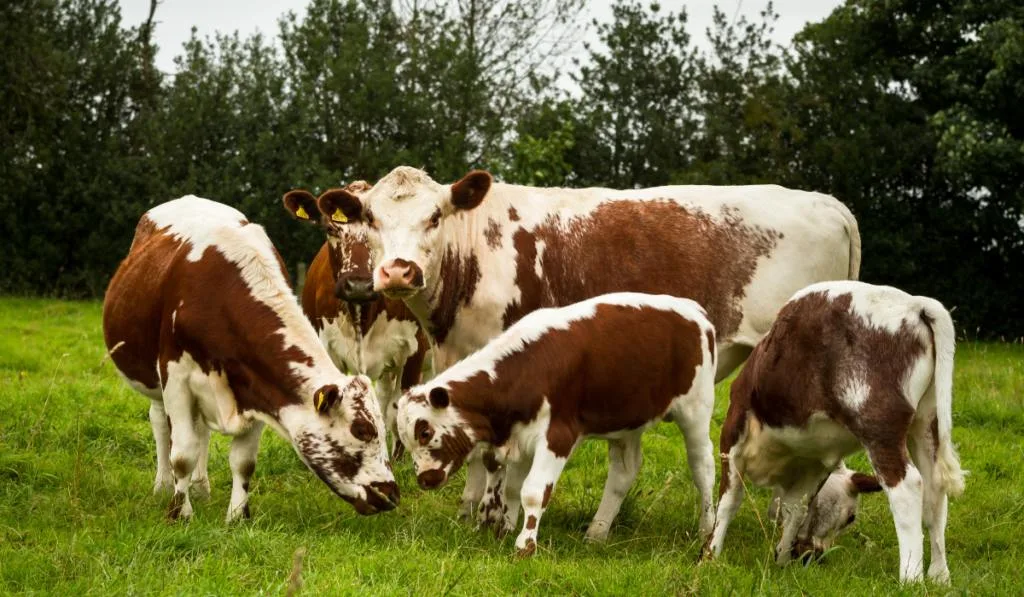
(848, 366)
(363, 331)
(609, 367)
(471, 258)
(201, 319)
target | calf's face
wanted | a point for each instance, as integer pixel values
(433, 434)
(340, 437)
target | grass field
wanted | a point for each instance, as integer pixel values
(77, 516)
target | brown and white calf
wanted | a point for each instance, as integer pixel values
(201, 319)
(363, 331)
(848, 366)
(609, 367)
(471, 258)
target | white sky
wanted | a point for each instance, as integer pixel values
(175, 18)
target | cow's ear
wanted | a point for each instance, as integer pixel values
(302, 204)
(861, 483)
(325, 398)
(471, 189)
(341, 206)
(439, 397)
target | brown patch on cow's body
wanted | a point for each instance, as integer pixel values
(711, 344)
(582, 377)
(547, 495)
(798, 370)
(457, 282)
(531, 522)
(493, 234)
(655, 247)
(160, 304)
(513, 215)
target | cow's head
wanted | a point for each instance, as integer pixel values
(434, 433)
(349, 252)
(831, 512)
(406, 216)
(339, 434)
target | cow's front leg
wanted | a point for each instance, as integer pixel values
(244, 449)
(536, 492)
(476, 479)
(491, 512)
(793, 507)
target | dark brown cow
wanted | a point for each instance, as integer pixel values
(363, 331)
(846, 366)
(609, 367)
(201, 319)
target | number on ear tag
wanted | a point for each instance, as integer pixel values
(338, 216)
(319, 402)
(301, 212)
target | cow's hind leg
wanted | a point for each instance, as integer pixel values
(934, 501)
(179, 405)
(164, 481)
(624, 460)
(244, 449)
(693, 416)
(901, 481)
(200, 475)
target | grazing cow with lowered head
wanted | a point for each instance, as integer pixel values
(201, 319)
(471, 258)
(609, 367)
(363, 331)
(846, 366)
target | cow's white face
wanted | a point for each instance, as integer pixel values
(434, 435)
(340, 437)
(405, 214)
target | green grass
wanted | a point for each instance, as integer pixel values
(77, 516)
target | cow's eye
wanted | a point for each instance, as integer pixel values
(424, 432)
(435, 220)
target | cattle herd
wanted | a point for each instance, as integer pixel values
(550, 315)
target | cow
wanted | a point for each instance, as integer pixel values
(608, 367)
(471, 258)
(201, 319)
(848, 366)
(363, 331)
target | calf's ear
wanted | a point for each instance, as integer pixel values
(861, 483)
(471, 189)
(439, 398)
(340, 206)
(325, 398)
(302, 204)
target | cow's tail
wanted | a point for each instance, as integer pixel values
(854, 231)
(948, 477)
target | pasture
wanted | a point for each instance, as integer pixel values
(77, 515)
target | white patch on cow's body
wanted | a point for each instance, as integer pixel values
(769, 453)
(539, 261)
(854, 392)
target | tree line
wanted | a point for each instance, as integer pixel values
(906, 110)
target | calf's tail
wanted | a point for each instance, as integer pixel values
(949, 477)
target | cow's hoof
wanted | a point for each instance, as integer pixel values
(527, 551)
(200, 488)
(163, 485)
(597, 533)
(467, 511)
(180, 508)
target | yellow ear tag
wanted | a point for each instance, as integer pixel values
(319, 402)
(337, 216)
(301, 212)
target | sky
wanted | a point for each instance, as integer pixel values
(175, 18)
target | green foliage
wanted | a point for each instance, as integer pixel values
(77, 515)
(905, 110)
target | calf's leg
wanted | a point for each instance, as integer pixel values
(624, 459)
(476, 480)
(935, 502)
(903, 488)
(693, 416)
(537, 488)
(244, 449)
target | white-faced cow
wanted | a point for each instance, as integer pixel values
(363, 331)
(608, 367)
(201, 319)
(471, 258)
(846, 366)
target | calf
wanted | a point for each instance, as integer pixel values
(848, 365)
(200, 318)
(609, 367)
(362, 330)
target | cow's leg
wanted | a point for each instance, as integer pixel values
(200, 475)
(793, 507)
(476, 480)
(388, 394)
(162, 435)
(693, 416)
(491, 512)
(624, 459)
(244, 449)
(515, 475)
(905, 503)
(730, 489)
(935, 502)
(179, 405)
(730, 356)
(536, 492)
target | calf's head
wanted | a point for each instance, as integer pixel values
(405, 217)
(349, 252)
(434, 434)
(339, 434)
(831, 512)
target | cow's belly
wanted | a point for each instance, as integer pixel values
(771, 456)
(209, 392)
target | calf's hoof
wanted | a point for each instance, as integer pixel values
(939, 574)
(528, 550)
(236, 514)
(180, 508)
